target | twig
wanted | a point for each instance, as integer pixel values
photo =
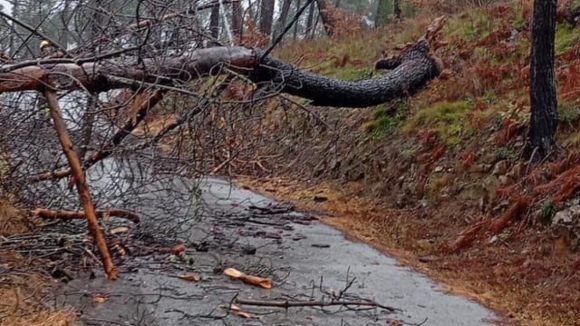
(90, 253)
(287, 304)
(33, 31)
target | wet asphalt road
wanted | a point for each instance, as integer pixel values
(305, 259)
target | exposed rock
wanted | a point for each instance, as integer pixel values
(473, 191)
(504, 180)
(479, 168)
(517, 171)
(500, 168)
(334, 164)
(567, 216)
(491, 185)
(566, 228)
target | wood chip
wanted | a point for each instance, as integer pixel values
(249, 279)
(189, 277)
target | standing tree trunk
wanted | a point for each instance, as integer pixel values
(283, 16)
(237, 19)
(298, 6)
(327, 19)
(384, 9)
(397, 9)
(214, 22)
(266, 17)
(309, 22)
(544, 121)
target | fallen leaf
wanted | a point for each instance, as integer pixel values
(238, 311)
(179, 250)
(189, 277)
(122, 252)
(99, 298)
(120, 230)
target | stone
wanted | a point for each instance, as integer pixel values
(479, 168)
(566, 216)
(504, 180)
(500, 168)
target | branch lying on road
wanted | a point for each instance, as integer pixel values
(68, 215)
(289, 304)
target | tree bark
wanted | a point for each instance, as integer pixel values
(266, 17)
(283, 15)
(544, 103)
(237, 18)
(328, 20)
(295, 36)
(383, 13)
(214, 22)
(308, 33)
(397, 9)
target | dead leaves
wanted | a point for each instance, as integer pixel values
(100, 298)
(120, 230)
(237, 311)
(179, 250)
(248, 279)
(189, 277)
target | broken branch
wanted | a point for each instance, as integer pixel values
(289, 304)
(81, 183)
(69, 215)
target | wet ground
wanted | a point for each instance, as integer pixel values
(306, 260)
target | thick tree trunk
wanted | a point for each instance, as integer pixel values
(414, 69)
(328, 20)
(544, 120)
(411, 71)
(266, 17)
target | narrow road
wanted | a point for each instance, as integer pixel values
(305, 259)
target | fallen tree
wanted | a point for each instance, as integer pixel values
(411, 71)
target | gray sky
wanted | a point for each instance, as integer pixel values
(6, 5)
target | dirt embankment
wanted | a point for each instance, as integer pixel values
(24, 283)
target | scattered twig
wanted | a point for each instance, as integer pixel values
(289, 304)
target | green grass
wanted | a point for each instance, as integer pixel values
(566, 38)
